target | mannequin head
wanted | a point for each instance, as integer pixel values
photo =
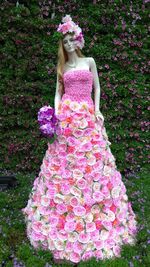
(66, 45)
(69, 43)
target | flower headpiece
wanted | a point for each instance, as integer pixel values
(69, 26)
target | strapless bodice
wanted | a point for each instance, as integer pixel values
(78, 85)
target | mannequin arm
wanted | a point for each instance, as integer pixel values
(97, 90)
(57, 96)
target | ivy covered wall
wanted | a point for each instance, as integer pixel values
(115, 35)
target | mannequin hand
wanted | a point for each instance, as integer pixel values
(56, 112)
(99, 116)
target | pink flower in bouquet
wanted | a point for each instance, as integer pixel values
(47, 121)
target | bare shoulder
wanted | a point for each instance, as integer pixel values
(91, 61)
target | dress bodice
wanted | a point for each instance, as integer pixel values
(78, 85)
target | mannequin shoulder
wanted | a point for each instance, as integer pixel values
(91, 61)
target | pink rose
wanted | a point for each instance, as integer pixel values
(37, 226)
(84, 237)
(99, 244)
(53, 221)
(65, 189)
(61, 208)
(62, 155)
(37, 236)
(79, 211)
(98, 254)
(44, 210)
(87, 191)
(61, 223)
(94, 235)
(110, 243)
(91, 124)
(78, 247)
(116, 250)
(69, 246)
(87, 131)
(121, 216)
(66, 173)
(75, 257)
(67, 131)
(90, 226)
(81, 183)
(105, 191)
(104, 180)
(52, 234)
(82, 161)
(74, 202)
(62, 235)
(78, 133)
(98, 224)
(70, 226)
(73, 141)
(87, 255)
(107, 225)
(62, 147)
(45, 201)
(70, 217)
(86, 147)
(98, 196)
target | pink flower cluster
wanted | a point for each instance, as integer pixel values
(68, 26)
(78, 207)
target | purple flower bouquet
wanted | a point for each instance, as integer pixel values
(47, 121)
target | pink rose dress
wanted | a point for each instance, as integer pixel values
(78, 207)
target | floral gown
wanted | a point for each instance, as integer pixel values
(78, 207)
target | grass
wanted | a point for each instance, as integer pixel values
(16, 250)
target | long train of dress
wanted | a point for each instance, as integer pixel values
(78, 207)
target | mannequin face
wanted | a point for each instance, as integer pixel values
(69, 43)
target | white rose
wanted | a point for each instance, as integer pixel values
(89, 218)
(104, 234)
(115, 192)
(96, 186)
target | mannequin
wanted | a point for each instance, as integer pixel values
(77, 63)
(78, 207)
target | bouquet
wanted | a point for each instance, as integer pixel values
(47, 121)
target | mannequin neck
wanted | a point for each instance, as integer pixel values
(72, 57)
